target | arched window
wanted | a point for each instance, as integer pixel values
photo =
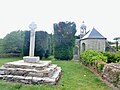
(83, 47)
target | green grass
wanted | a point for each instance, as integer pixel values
(5, 60)
(75, 77)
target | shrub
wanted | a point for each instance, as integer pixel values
(100, 66)
(112, 57)
(117, 56)
(90, 56)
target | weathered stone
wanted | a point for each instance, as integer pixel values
(9, 77)
(2, 72)
(5, 77)
(24, 81)
(18, 78)
(31, 59)
(24, 65)
(37, 80)
(111, 72)
(20, 71)
(1, 77)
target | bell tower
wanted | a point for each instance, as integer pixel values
(82, 30)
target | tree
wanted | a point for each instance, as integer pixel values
(13, 42)
(117, 38)
(64, 40)
(1, 45)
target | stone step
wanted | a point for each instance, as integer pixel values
(25, 65)
(47, 72)
(33, 80)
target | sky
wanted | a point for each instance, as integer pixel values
(103, 15)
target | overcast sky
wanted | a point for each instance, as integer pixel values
(104, 15)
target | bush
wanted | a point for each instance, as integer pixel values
(63, 53)
(111, 57)
(117, 56)
(100, 66)
(89, 56)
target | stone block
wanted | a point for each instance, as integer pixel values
(9, 77)
(1, 77)
(2, 72)
(31, 59)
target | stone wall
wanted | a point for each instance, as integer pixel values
(95, 44)
(111, 72)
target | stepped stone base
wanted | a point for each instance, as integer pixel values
(30, 73)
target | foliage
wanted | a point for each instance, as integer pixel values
(90, 56)
(100, 66)
(116, 38)
(41, 43)
(64, 39)
(50, 44)
(117, 56)
(13, 42)
(26, 43)
(1, 45)
(112, 57)
(47, 54)
(75, 77)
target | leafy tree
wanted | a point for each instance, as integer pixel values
(1, 45)
(64, 40)
(13, 42)
(117, 38)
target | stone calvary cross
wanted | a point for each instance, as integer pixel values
(31, 58)
(32, 26)
(31, 70)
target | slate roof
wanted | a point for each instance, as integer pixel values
(94, 34)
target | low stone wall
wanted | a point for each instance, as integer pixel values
(111, 72)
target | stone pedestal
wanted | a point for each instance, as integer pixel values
(30, 73)
(31, 59)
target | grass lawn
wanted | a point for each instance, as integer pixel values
(75, 77)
